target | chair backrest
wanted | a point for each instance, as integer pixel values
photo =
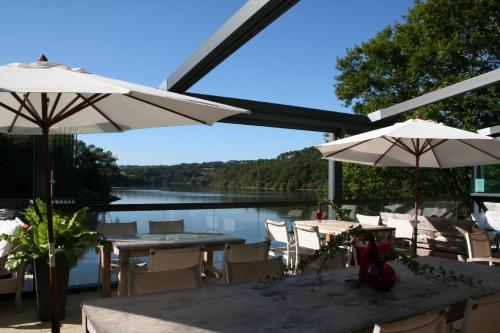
(367, 219)
(254, 270)
(174, 259)
(404, 228)
(478, 244)
(482, 314)
(246, 252)
(336, 262)
(429, 322)
(161, 227)
(141, 283)
(117, 229)
(276, 231)
(307, 237)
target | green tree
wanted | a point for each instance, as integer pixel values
(440, 42)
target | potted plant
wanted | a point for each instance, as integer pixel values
(30, 244)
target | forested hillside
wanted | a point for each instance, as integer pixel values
(303, 169)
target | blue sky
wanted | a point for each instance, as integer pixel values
(291, 62)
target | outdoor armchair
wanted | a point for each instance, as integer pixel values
(239, 272)
(403, 233)
(307, 241)
(239, 253)
(160, 227)
(117, 229)
(367, 219)
(169, 269)
(429, 322)
(479, 248)
(278, 232)
(482, 314)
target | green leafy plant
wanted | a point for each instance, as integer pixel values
(31, 241)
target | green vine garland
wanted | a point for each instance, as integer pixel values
(349, 237)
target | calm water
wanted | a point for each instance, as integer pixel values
(242, 222)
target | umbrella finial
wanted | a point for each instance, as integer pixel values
(43, 58)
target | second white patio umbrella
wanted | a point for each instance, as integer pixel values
(415, 143)
(49, 98)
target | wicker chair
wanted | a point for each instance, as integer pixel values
(161, 227)
(428, 322)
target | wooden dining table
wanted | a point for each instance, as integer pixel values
(335, 227)
(139, 245)
(297, 304)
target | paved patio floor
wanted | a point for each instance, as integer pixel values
(27, 321)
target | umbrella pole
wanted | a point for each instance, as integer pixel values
(417, 204)
(50, 229)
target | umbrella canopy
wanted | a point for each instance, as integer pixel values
(437, 145)
(75, 101)
(415, 143)
(45, 97)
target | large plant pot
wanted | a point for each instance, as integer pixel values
(42, 285)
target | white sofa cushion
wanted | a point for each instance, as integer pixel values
(492, 206)
(493, 220)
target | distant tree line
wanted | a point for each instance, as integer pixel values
(294, 170)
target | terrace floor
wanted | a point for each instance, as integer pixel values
(27, 321)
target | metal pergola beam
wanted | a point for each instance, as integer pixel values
(474, 83)
(247, 22)
(293, 117)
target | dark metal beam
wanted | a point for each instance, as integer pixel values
(293, 117)
(247, 22)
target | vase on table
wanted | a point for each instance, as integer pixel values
(381, 276)
(319, 213)
(373, 270)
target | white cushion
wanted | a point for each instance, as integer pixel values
(492, 206)
(493, 219)
(404, 228)
(8, 227)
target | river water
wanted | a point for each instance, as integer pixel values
(247, 223)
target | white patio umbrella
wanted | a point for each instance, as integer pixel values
(49, 98)
(415, 143)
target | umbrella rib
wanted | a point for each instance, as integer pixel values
(482, 151)
(385, 153)
(167, 109)
(70, 103)
(354, 145)
(432, 147)
(400, 144)
(93, 99)
(424, 146)
(45, 106)
(28, 106)
(433, 153)
(58, 97)
(92, 105)
(17, 114)
(5, 106)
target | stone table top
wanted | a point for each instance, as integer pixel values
(290, 306)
